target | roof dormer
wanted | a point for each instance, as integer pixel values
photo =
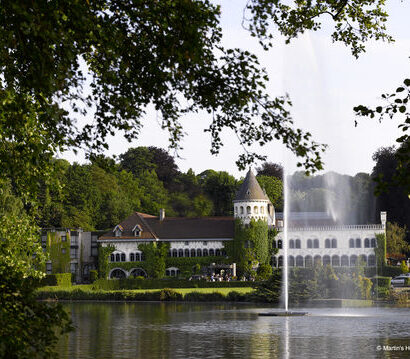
(137, 230)
(118, 230)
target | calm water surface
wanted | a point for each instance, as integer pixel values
(169, 330)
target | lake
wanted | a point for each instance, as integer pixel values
(186, 330)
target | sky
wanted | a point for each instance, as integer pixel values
(324, 82)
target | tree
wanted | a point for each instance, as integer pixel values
(396, 239)
(270, 169)
(274, 189)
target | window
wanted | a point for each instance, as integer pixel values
(317, 260)
(248, 209)
(138, 257)
(112, 258)
(199, 252)
(73, 253)
(274, 244)
(180, 252)
(132, 257)
(262, 210)
(255, 210)
(291, 244)
(218, 252)
(280, 244)
(297, 244)
(344, 261)
(211, 252)
(353, 260)
(117, 257)
(371, 260)
(122, 257)
(48, 268)
(291, 261)
(205, 252)
(236, 209)
(373, 243)
(309, 243)
(308, 261)
(193, 252)
(174, 253)
(326, 260)
(366, 243)
(335, 261)
(351, 243)
(327, 243)
(274, 262)
(315, 243)
(280, 261)
(187, 252)
(334, 243)
(241, 210)
(299, 261)
(358, 243)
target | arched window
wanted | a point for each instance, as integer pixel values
(248, 209)
(138, 257)
(122, 257)
(274, 262)
(223, 253)
(138, 272)
(299, 261)
(193, 252)
(351, 243)
(218, 252)
(327, 243)
(371, 260)
(241, 210)
(262, 210)
(308, 261)
(199, 252)
(205, 252)
(326, 260)
(335, 261)
(291, 244)
(363, 259)
(132, 257)
(315, 243)
(169, 253)
(174, 253)
(280, 261)
(117, 257)
(112, 258)
(167, 272)
(236, 209)
(297, 243)
(334, 243)
(186, 252)
(180, 252)
(117, 273)
(280, 244)
(353, 260)
(291, 260)
(309, 243)
(317, 260)
(211, 252)
(344, 262)
(255, 210)
(366, 243)
(373, 243)
(358, 243)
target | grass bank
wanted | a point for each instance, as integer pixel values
(86, 292)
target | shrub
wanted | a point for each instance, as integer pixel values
(403, 267)
(264, 272)
(93, 276)
(381, 281)
(59, 279)
(168, 294)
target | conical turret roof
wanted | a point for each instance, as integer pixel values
(250, 189)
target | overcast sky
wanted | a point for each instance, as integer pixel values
(324, 82)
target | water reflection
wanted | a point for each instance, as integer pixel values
(169, 330)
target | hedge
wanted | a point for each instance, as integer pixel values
(59, 279)
(141, 283)
(381, 281)
(166, 294)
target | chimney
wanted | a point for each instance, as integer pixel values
(162, 214)
(383, 218)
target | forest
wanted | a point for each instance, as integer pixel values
(101, 193)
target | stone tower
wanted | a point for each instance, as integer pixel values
(251, 201)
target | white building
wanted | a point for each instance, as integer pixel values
(199, 237)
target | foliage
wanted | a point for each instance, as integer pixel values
(59, 279)
(270, 290)
(264, 272)
(396, 239)
(103, 257)
(270, 169)
(250, 246)
(187, 264)
(59, 252)
(155, 254)
(380, 250)
(93, 275)
(168, 294)
(404, 268)
(38, 324)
